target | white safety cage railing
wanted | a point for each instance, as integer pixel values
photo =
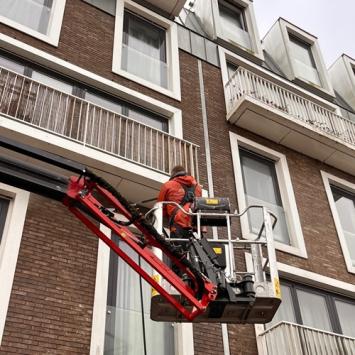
(246, 83)
(38, 105)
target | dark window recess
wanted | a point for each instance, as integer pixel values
(231, 69)
(232, 14)
(63, 84)
(144, 49)
(4, 206)
(315, 308)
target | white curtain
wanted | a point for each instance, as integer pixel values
(261, 188)
(142, 51)
(125, 331)
(346, 211)
(34, 14)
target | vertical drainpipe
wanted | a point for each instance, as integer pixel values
(225, 338)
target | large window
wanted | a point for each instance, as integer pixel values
(39, 18)
(4, 205)
(262, 178)
(345, 204)
(315, 308)
(68, 86)
(13, 206)
(305, 65)
(341, 197)
(261, 188)
(129, 329)
(233, 23)
(144, 49)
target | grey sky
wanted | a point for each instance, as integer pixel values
(331, 21)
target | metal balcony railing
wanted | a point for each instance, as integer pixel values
(41, 106)
(293, 339)
(245, 83)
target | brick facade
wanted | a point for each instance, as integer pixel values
(51, 303)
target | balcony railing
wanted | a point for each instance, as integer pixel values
(244, 83)
(293, 339)
(46, 108)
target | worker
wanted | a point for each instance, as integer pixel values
(181, 188)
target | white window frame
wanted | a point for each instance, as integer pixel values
(329, 179)
(305, 277)
(10, 245)
(54, 26)
(297, 246)
(286, 29)
(183, 332)
(250, 24)
(172, 50)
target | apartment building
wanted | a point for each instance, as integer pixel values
(131, 88)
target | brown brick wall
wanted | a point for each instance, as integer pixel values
(50, 309)
(51, 305)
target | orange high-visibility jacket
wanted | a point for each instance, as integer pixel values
(173, 191)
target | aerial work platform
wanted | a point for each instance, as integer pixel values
(194, 279)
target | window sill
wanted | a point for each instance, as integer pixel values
(148, 84)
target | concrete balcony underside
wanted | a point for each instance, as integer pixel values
(296, 124)
(171, 7)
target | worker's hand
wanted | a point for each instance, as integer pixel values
(203, 229)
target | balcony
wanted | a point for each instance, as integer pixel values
(289, 338)
(270, 110)
(170, 7)
(76, 120)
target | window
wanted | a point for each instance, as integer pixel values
(261, 188)
(67, 86)
(129, 329)
(13, 206)
(146, 48)
(341, 197)
(345, 205)
(262, 178)
(315, 308)
(305, 65)
(38, 18)
(231, 69)
(4, 205)
(233, 23)
(129, 110)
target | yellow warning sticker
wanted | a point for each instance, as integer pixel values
(212, 201)
(277, 287)
(218, 250)
(155, 277)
